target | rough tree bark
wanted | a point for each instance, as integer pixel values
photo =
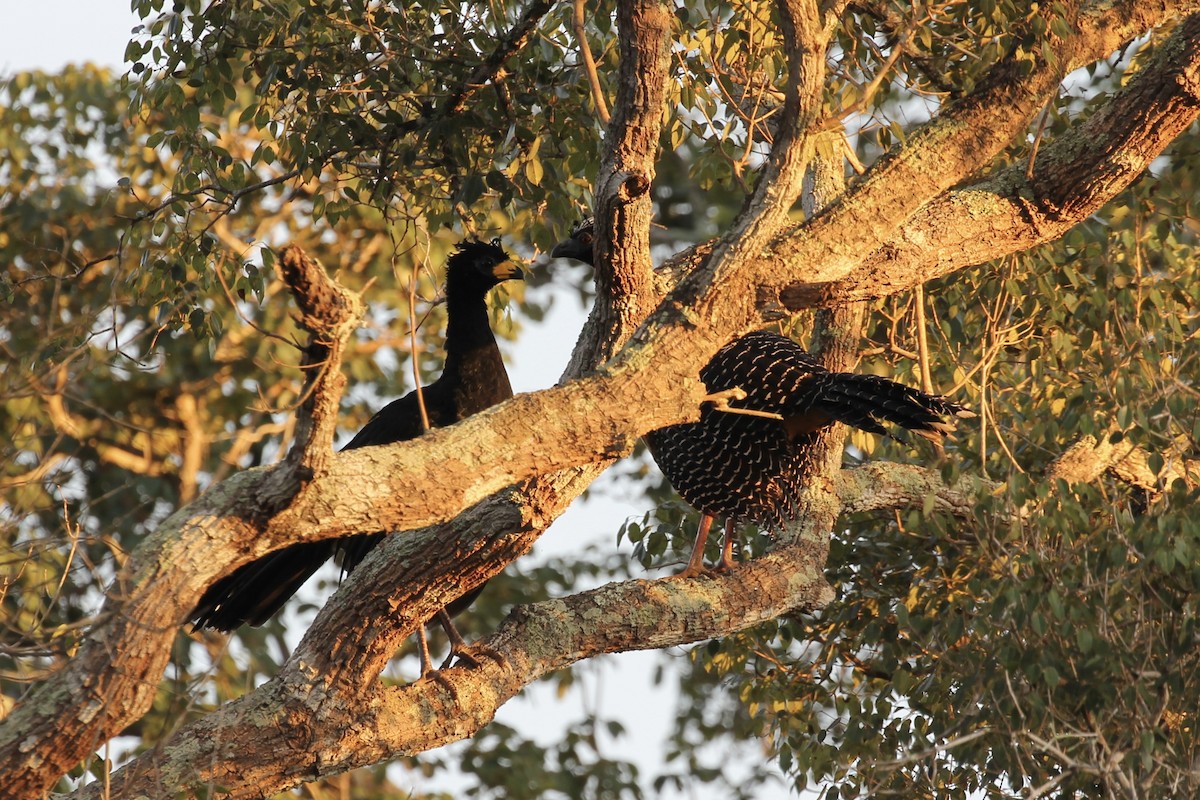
(903, 223)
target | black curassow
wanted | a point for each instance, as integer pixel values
(749, 468)
(473, 378)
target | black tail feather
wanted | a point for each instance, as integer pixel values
(867, 401)
(252, 593)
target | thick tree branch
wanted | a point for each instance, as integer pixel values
(333, 717)
(623, 202)
(805, 40)
(1089, 458)
(719, 299)
(782, 177)
(951, 230)
(885, 485)
(325, 732)
(963, 138)
(1073, 177)
(112, 679)
(143, 608)
(240, 520)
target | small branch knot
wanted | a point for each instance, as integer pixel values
(633, 187)
(325, 306)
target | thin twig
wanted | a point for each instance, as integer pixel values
(719, 401)
(492, 68)
(747, 412)
(1037, 139)
(415, 343)
(234, 195)
(923, 341)
(589, 63)
(945, 746)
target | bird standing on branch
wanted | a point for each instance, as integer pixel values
(745, 458)
(473, 379)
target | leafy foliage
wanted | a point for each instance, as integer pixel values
(1044, 645)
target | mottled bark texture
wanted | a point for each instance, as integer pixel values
(913, 216)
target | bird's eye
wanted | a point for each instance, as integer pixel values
(496, 241)
(586, 238)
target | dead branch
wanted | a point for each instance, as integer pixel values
(330, 313)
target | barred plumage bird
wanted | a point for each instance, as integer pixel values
(749, 467)
(473, 378)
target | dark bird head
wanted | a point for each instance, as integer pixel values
(480, 265)
(579, 244)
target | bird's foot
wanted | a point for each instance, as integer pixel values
(468, 655)
(725, 565)
(722, 567)
(696, 571)
(441, 680)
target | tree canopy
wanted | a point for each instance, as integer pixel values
(219, 262)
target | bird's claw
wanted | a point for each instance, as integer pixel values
(702, 571)
(469, 656)
(716, 570)
(437, 677)
(465, 658)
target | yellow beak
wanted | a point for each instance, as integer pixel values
(508, 269)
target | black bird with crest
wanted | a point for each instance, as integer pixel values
(473, 378)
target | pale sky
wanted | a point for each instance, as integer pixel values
(51, 33)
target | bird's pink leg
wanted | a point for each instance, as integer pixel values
(695, 565)
(459, 647)
(423, 649)
(727, 563)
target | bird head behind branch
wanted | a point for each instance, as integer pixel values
(579, 244)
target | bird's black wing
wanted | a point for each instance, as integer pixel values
(398, 421)
(254, 592)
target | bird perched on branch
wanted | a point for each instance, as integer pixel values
(473, 378)
(744, 459)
